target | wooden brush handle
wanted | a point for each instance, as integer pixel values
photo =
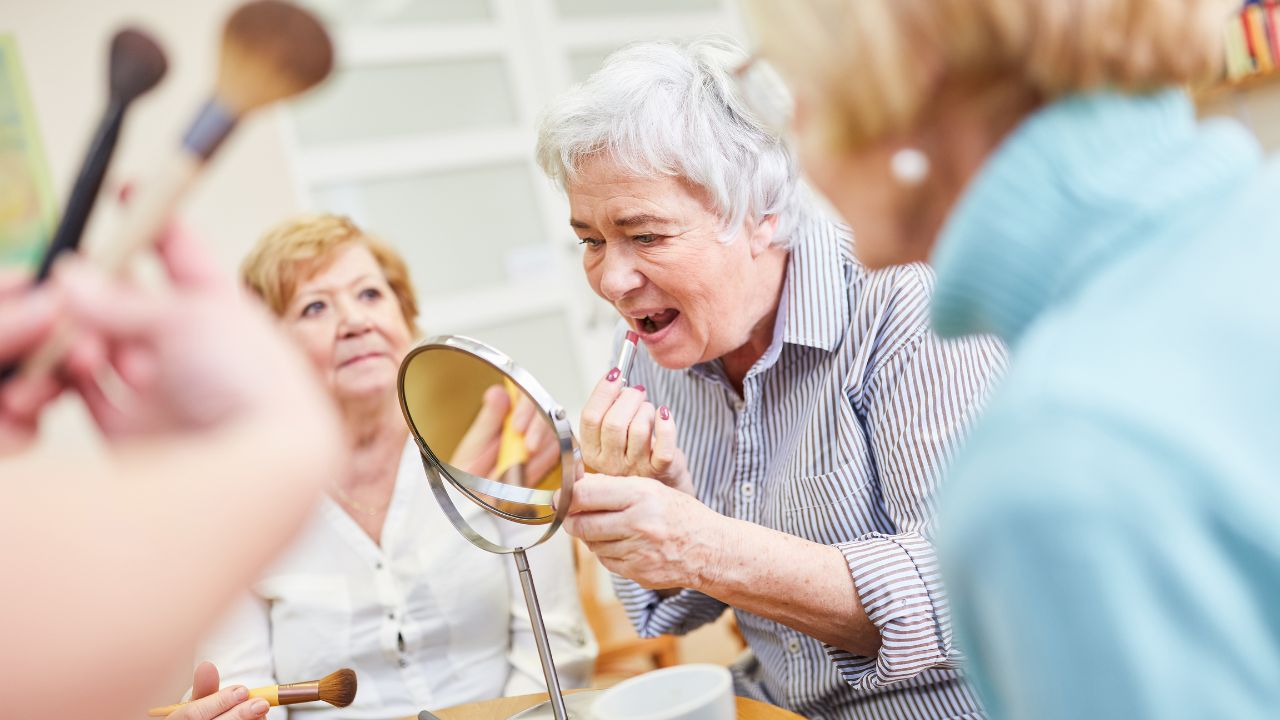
(149, 209)
(144, 219)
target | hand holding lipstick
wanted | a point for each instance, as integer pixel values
(621, 433)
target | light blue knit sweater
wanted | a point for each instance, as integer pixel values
(1111, 537)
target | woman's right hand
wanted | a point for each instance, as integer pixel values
(477, 451)
(622, 434)
(210, 703)
(201, 356)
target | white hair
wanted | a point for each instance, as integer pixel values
(667, 109)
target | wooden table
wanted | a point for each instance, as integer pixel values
(503, 708)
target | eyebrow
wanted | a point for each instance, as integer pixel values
(628, 221)
(641, 219)
(325, 289)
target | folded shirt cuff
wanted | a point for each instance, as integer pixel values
(900, 586)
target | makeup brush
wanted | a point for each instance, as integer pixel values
(271, 50)
(136, 64)
(337, 688)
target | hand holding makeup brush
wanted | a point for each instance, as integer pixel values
(271, 50)
(136, 64)
(176, 359)
(338, 689)
(208, 702)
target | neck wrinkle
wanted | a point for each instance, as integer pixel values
(376, 434)
(737, 363)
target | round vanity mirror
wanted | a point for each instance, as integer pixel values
(487, 430)
(486, 427)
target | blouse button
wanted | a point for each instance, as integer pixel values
(748, 489)
(793, 646)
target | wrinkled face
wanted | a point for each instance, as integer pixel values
(350, 324)
(652, 247)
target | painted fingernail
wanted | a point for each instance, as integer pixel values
(664, 413)
(639, 387)
(240, 693)
(613, 375)
(259, 706)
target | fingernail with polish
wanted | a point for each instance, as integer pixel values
(639, 387)
(613, 375)
(664, 413)
(240, 693)
(259, 706)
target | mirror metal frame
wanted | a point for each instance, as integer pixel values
(438, 472)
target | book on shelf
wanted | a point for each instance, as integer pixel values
(1272, 18)
(1252, 40)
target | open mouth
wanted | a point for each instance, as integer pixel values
(656, 322)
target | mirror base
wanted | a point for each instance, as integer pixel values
(577, 704)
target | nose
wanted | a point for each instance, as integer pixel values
(353, 320)
(618, 274)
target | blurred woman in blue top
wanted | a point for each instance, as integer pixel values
(1110, 541)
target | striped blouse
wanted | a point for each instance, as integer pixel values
(837, 438)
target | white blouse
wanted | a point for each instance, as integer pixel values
(427, 620)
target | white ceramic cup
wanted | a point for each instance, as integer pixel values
(683, 692)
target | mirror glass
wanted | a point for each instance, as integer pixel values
(494, 441)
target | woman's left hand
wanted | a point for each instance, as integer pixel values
(647, 532)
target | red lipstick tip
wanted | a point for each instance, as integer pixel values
(633, 337)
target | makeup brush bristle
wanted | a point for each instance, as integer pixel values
(271, 50)
(137, 64)
(338, 688)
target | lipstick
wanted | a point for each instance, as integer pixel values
(626, 356)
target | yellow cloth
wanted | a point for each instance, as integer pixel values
(511, 450)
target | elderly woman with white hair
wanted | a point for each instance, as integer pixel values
(792, 406)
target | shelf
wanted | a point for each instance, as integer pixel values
(1256, 81)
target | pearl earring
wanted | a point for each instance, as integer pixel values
(909, 166)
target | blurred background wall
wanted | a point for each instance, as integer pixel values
(424, 136)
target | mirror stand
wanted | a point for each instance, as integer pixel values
(445, 382)
(556, 700)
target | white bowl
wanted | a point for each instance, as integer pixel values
(683, 692)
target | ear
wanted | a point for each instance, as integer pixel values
(760, 238)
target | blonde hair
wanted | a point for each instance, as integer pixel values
(298, 248)
(876, 63)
